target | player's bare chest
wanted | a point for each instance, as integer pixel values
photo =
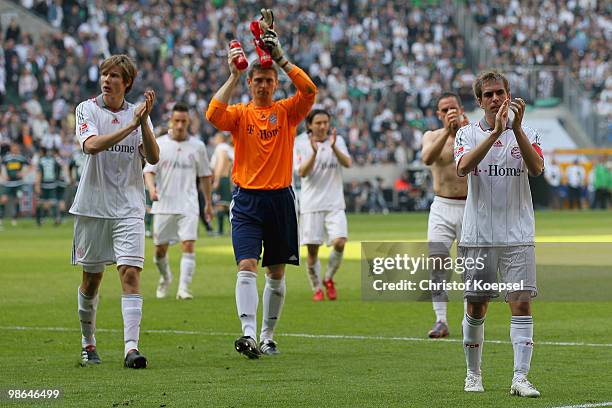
(446, 156)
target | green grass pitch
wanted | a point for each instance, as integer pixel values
(348, 353)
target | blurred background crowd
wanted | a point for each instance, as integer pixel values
(379, 65)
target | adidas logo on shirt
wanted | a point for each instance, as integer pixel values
(498, 143)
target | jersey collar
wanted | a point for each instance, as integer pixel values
(100, 102)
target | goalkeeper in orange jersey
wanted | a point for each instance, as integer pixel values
(262, 211)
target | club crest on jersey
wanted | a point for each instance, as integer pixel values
(273, 118)
(516, 152)
(83, 128)
(458, 151)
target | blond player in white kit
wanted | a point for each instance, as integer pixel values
(182, 159)
(319, 161)
(497, 155)
(446, 212)
(109, 205)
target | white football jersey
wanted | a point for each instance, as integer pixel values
(322, 189)
(111, 184)
(179, 166)
(498, 210)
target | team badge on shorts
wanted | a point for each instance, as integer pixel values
(516, 152)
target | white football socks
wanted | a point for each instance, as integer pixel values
(131, 309)
(473, 339)
(247, 300)
(87, 306)
(273, 300)
(187, 270)
(314, 273)
(440, 310)
(335, 258)
(521, 335)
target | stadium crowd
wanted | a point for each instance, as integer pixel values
(378, 65)
(574, 34)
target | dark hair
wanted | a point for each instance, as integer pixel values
(487, 76)
(180, 107)
(256, 66)
(311, 116)
(316, 112)
(447, 94)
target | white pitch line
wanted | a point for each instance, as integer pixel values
(598, 404)
(307, 336)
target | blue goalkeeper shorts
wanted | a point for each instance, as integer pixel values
(265, 219)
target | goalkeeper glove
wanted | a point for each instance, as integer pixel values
(270, 38)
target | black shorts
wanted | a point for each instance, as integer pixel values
(265, 218)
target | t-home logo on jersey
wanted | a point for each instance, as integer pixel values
(118, 148)
(495, 170)
(264, 134)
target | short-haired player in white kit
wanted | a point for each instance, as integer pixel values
(182, 159)
(446, 212)
(109, 205)
(497, 154)
(319, 161)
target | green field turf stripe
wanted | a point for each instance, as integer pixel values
(306, 336)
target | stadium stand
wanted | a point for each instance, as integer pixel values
(379, 65)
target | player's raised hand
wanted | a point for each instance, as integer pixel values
(333, 138)
(518, 107)
(267, 19)
(314, 145)
(231, 56)
(452, 121)
(139, 112)
(149, 102)
(269, 37)
(501, 118)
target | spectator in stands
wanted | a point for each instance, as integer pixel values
(602, 183)
(575, 175)
(552, 174)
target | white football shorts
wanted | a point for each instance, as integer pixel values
(100, 241)
(173, 228)
(515, 265)
(444, 226)
(323, 227)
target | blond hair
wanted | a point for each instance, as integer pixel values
(125, 65)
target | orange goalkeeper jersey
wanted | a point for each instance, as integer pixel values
(263, 136)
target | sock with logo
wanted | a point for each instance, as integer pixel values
(521, 336)
(247, 300)
(473, 340)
